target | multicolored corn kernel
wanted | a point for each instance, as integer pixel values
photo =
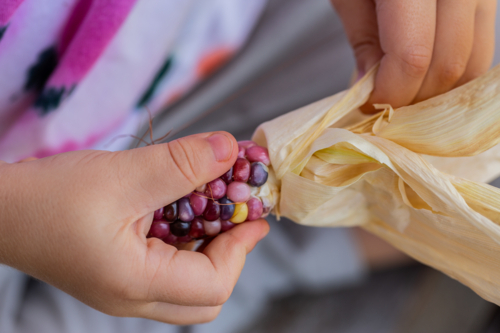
(216, 189)
(255, 209)
(159, 229)
(198, 202)
(197, 230)
(258, 174)
(184, 239)
(180, 228)
(186, 213)
(240, 213)
(212, 212)
(246, 144)
(258, 154)
(170, 239)
(241, 170)
(241, 152)
(227, 177)
(226, 208)
(239, 195)
(170, 212)
(212, 228)
(238, 192)
(226, 225)
(158, 214)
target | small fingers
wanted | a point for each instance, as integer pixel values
(201, 279)
(360, 24)
(158, 175)
(406, 29)
(484, 42)
(452, 47)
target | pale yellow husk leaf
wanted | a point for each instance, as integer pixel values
(413, 176)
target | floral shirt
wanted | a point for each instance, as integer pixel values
(76, 73)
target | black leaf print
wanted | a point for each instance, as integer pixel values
(39, 73)
(148, 94)
(49, 99)
(2, 31)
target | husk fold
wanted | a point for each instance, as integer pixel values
(413, 176)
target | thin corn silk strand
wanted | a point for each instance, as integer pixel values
(414, 176)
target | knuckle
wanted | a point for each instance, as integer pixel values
(451, 72)
(363, 43)
(184, 159)
(416, 60)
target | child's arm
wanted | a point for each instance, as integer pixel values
(79, 221)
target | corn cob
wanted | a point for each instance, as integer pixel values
(241, 194)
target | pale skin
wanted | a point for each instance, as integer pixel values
(425, 47)
(79, 220)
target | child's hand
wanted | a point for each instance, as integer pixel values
(426, 47)
(79, 221)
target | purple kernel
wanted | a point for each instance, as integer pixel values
(212, 212)
(216, 189)
(226, 208)
(212, 228)
(258, 174)
(227, 177)
(238, 192)
(258, 154)
(159, 229)
(254, 209)
(197, 230)
(158, 215)
(185, 239)
(226, 225)
(241, 152)
(246, 144)
(185, 211)
(170, 212)
(241, 170)
(198, 203)
(170, 239)
(180, 228)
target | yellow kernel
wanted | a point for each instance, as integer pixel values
(240, 213)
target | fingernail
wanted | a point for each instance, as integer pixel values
(222, 146)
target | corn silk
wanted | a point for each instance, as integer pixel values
(415, 176)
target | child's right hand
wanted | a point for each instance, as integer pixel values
(79, 221)
(425, 47)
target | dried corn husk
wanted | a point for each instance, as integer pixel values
(412, 176)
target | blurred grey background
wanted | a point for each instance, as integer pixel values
(297, 55)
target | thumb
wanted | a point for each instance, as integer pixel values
(359, 18)
(160, 174)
